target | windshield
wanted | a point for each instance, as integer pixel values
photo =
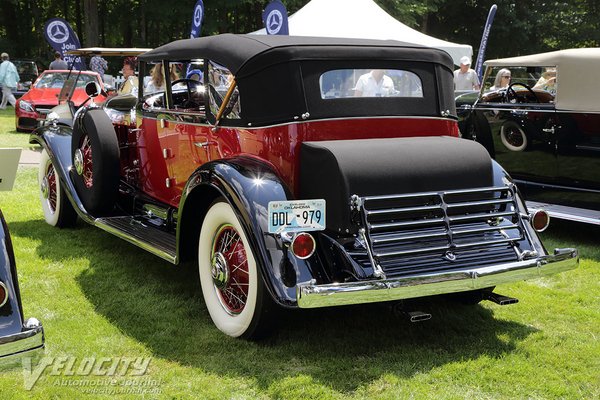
(56, 80)
(27, 68)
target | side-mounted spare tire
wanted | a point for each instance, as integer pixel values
(95, 151)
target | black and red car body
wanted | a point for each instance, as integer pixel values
(288, 188)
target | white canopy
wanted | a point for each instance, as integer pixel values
(362, 19)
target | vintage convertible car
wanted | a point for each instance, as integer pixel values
(295, 179)
(545, 129)
(18, 337)
(51, 88)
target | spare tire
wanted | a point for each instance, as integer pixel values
(95, 151)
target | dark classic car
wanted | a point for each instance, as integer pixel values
(18, 337)
(302, 172)
(544, 129)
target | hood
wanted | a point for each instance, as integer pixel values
(50, 96)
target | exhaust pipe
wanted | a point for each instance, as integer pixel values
(500, 299)
(417, 316)
(399, 310)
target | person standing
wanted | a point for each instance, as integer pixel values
(98, 65)
(58, 62)
(465, 78)
(9, 77)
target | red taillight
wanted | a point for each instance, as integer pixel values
(303, 245)
(3, 294)
(540, 220)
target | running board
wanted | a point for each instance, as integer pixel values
(141, 234)
(499, 299)
(569, 213)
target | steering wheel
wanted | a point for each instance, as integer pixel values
(190, 84)
(511, 95)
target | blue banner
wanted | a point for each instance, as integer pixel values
(61, 37)
(484, 41)
(275, 19)
(197, 19)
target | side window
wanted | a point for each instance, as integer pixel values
(154, 87)
(219, 82)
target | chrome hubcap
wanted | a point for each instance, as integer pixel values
(219, 270)
(45, 188)
(78, 162)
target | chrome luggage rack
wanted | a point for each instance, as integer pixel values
(434, 231)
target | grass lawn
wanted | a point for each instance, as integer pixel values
(98, 296)
(9, 137)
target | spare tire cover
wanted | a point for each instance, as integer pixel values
(335, 170)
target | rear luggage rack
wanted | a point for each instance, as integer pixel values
(433, 231)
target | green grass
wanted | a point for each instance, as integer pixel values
(100, 296)
(9, 137)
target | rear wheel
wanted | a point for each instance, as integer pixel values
(55, 205)
(232, 285)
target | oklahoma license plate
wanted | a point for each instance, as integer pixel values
(296, 216)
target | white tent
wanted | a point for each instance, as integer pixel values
(362, 19)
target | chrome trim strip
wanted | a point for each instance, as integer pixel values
(403, 210)
(249, 128)
(480, 216)
(336, 294)
(29, 339)
(400, 238)
(409, 223)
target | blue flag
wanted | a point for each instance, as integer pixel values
(275, 19)
(484, 41)
(197, 19)
(61, 37)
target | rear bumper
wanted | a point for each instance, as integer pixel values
(337, 294)
(24, 342)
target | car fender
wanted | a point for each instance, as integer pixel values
(249, 185)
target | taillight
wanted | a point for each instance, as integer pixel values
(540, 220)
(3, 294)
(303, 245)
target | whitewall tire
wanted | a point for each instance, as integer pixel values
(55, 205)
(230, 278)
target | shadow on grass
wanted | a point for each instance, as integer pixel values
(342, 348)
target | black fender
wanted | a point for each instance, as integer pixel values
(249, 185)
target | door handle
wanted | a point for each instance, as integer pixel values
(548, 130)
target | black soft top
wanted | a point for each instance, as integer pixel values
(244, 54)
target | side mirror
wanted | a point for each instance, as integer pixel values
(92, 89)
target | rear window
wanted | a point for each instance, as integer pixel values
(346, 83)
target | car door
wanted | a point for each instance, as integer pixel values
(523, 133)
(579, 158)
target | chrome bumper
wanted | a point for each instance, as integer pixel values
(338, 294)
(31, 338)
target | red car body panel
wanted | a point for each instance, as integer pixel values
(190, 146)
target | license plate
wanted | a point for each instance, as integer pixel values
(296, 216)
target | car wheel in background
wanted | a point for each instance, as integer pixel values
(232, 285)
(513, 137)
(55, 205)
(95, 151)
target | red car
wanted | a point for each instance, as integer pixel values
(46, 92)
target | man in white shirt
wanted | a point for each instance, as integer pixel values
(465, 78)
(374, 84)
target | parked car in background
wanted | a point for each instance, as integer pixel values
(294, 181)
(545, 129)
(51, 88)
